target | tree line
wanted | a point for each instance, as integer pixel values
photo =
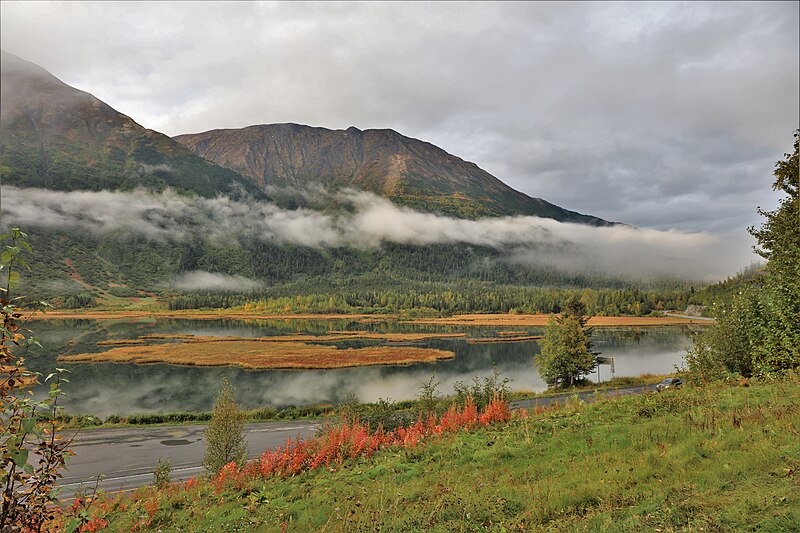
(443, 299)
(76, 269)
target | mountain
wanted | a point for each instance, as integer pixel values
(58, 137)
(407, 171)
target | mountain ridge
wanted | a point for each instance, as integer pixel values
(406, 170)
(58, 137)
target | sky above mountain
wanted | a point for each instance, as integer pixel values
(661, 115)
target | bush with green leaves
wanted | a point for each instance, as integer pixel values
(482, 392)
(779, 242)
(350, 409)
(757, 329)
(33, 450)
(428, 398)
(729, 348)
(162, 472)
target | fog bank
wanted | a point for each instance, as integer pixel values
(200, 280)
(367, 221)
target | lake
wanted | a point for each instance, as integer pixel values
(103, 389)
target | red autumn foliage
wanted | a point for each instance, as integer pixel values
(351, 440)
(356, 439)
(95, 524)
(150, 507)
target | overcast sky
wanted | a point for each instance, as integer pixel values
(661, 115)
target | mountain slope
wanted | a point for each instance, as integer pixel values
(407, 171)
(58, 137)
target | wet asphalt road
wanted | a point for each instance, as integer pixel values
(127, 457)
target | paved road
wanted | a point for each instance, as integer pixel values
(692, 317)
(126, 457)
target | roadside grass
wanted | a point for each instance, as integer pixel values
(315, 411)
(264, 414)
(713, 458)
(368, 411)
(589, 386)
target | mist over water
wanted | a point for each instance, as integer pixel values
(104, 389)
(367, 221)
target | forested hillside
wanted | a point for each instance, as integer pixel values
(76, 270)
(57, 137)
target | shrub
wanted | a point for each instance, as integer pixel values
(162, 473)
(354, 438)
(428, 398)
(27, 480)
(123, 292)
(350, 408)
(482, 393)
(757, 329)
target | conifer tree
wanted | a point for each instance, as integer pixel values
(224, 434)
(566, 350)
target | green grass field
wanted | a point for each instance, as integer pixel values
(715, 458)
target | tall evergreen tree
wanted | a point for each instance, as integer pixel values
(566, 349)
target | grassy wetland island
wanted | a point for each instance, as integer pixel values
(399, 267)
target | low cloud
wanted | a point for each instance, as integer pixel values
(659, 114)
(200, 280)
(144, 168)
(367, 221)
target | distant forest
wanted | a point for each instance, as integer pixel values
(443, 300)
(370, 295)
(74, 271)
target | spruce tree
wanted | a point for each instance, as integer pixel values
(566, 350)
(224, 434)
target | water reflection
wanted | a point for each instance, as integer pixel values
(105, 388)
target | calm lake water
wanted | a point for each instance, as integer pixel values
(110, 388)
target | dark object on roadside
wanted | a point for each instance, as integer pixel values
(669, 383)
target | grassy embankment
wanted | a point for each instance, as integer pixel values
(718, 458)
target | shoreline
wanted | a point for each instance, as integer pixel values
(477, 319)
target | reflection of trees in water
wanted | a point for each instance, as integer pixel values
(650, 337)
(106, 388)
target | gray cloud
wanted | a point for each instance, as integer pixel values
(371, 221)
(202, 280)
(665, 115)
